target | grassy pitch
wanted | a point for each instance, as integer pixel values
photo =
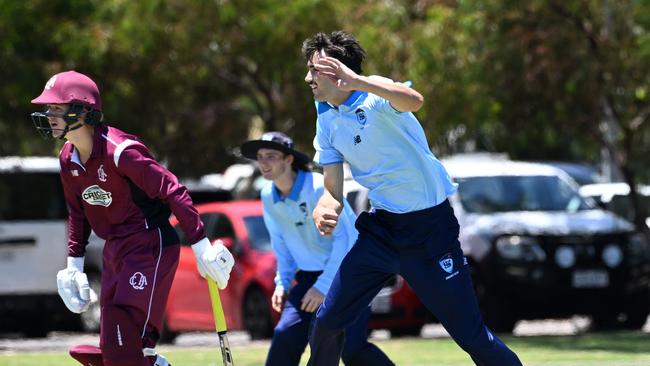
(610, 349)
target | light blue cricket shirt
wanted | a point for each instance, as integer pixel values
(295, 239)
(387, 152)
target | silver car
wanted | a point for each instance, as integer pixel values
(538, 249)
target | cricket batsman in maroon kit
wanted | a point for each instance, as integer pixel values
(114, 186)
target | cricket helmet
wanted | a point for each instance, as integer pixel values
(76, 90)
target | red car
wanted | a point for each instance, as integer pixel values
(246, 300)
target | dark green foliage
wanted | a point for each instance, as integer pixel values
(195, 78)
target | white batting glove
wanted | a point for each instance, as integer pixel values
(74, 289)
(214, 261)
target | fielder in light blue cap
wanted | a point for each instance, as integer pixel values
(303, 255)
(411, 230)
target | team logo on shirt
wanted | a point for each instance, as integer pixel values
(138, 281)
(101, 174)
(303, 209)
(361, 116)
(96, 196)
(357, 139)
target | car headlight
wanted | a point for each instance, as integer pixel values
(565, 256)
(612, 255)
(520, 248)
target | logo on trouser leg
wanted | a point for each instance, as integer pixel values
(447, 265)
(138, 281)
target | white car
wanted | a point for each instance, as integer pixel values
(33, 241)
(33, 248)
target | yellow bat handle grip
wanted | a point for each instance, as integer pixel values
(217, 309)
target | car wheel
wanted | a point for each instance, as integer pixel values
(632, 317)
(37, 327)
(257, 314)
(407, 331)
(89, 319)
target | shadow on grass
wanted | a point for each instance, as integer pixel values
(625, 342)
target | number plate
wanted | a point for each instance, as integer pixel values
(590, 279)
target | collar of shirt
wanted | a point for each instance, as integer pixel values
(295, 189)
(354, 97)
(99, 145)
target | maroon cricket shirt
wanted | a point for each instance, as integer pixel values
(122, 190)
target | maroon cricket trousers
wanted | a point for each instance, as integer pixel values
(137, 275)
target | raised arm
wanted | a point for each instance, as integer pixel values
(400, 96)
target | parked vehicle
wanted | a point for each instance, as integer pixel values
(582, 173)
(538, 249)
(615, 197)
(33, 241)
(246, 300)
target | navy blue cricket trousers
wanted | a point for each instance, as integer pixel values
(291, 333)
(423, 247)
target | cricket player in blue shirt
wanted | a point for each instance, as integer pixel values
(411, 228)
(303, 255)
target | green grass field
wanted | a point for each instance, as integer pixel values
(609, 349)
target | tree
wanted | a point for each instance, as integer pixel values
(573, 75)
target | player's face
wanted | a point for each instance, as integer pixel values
(273, 163)
(322, 86)
(55, 114)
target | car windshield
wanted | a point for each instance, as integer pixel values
(518, 193)
(257, 233)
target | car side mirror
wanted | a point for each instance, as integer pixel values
(232, 246)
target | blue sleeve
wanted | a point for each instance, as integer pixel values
(344, 237)
(325, 153)
(286, 266)
(383, 105)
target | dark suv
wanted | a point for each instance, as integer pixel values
(539, 250)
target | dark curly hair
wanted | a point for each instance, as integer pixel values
(338, 44)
